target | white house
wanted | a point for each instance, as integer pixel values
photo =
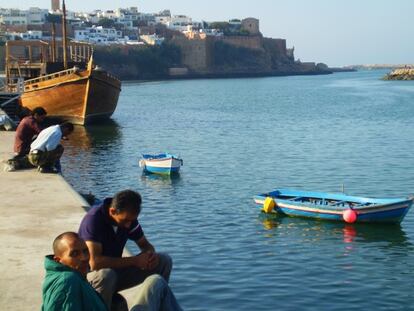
(13, 17)
(36, 16)
(162, 20)
(107, 14)
(180, 23)
(163, 17)
(98, 35)
(29, 35)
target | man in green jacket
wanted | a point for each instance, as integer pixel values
(65, 287)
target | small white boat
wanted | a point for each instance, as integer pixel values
(162, 163)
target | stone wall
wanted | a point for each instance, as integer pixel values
(251, 25)
(249, 42)
(195, 54)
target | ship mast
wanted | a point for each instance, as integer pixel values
(65, 60)
(53, 42)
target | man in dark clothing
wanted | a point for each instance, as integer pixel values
(28, 128)
(106, 229)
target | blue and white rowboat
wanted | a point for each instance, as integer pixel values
(330, 206)
(163, 163)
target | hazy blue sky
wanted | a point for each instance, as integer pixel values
(336, 32)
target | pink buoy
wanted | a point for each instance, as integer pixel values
(349, 215)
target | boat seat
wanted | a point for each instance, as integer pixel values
(295, 199)
(362, 204)
(339, 203)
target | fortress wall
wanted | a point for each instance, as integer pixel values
(194, 53)
(277, 46)
(249, 42)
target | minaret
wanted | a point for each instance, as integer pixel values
(55, 5)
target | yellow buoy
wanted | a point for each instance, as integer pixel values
(268, 205)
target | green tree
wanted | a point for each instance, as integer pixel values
(106, 22)
(224, 26)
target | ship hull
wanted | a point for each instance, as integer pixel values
(81, 97)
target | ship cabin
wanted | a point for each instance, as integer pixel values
(38, 59)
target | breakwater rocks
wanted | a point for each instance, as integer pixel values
(400, 74)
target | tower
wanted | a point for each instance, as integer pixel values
(55, 5)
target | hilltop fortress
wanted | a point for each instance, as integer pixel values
(218, 49)
(199, 49)
(239, 49)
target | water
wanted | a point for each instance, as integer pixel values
(241, 137)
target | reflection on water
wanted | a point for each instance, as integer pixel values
(159, 182)
(89, 149)
(105, 135)
(392, 235)
(86, 138)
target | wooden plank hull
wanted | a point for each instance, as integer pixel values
(79, 97)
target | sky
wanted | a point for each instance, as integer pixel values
(335, 32)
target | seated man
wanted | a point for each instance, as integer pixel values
(28, 128)
(106, 229)
(46, 150)
(65, 287)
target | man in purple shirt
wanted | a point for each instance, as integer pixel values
(106, 229)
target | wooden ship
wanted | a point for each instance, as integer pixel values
(61, 77)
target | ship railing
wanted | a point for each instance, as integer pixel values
(52, 75)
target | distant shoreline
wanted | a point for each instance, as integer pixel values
(200, 76)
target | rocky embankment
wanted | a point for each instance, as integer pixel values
(400, 74)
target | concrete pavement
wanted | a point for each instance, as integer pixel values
(34, 208)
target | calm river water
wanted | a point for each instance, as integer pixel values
(240, 137)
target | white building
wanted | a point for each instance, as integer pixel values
(36, 16)
(107, 14)
(29, 35)
(180, 23)
(129, 14)
(128, 24)
(163, 17)
(89, 17)
(99, 35)
(13, 17)
(162, 20)
(32, 16)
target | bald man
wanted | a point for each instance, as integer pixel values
(65, 287)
